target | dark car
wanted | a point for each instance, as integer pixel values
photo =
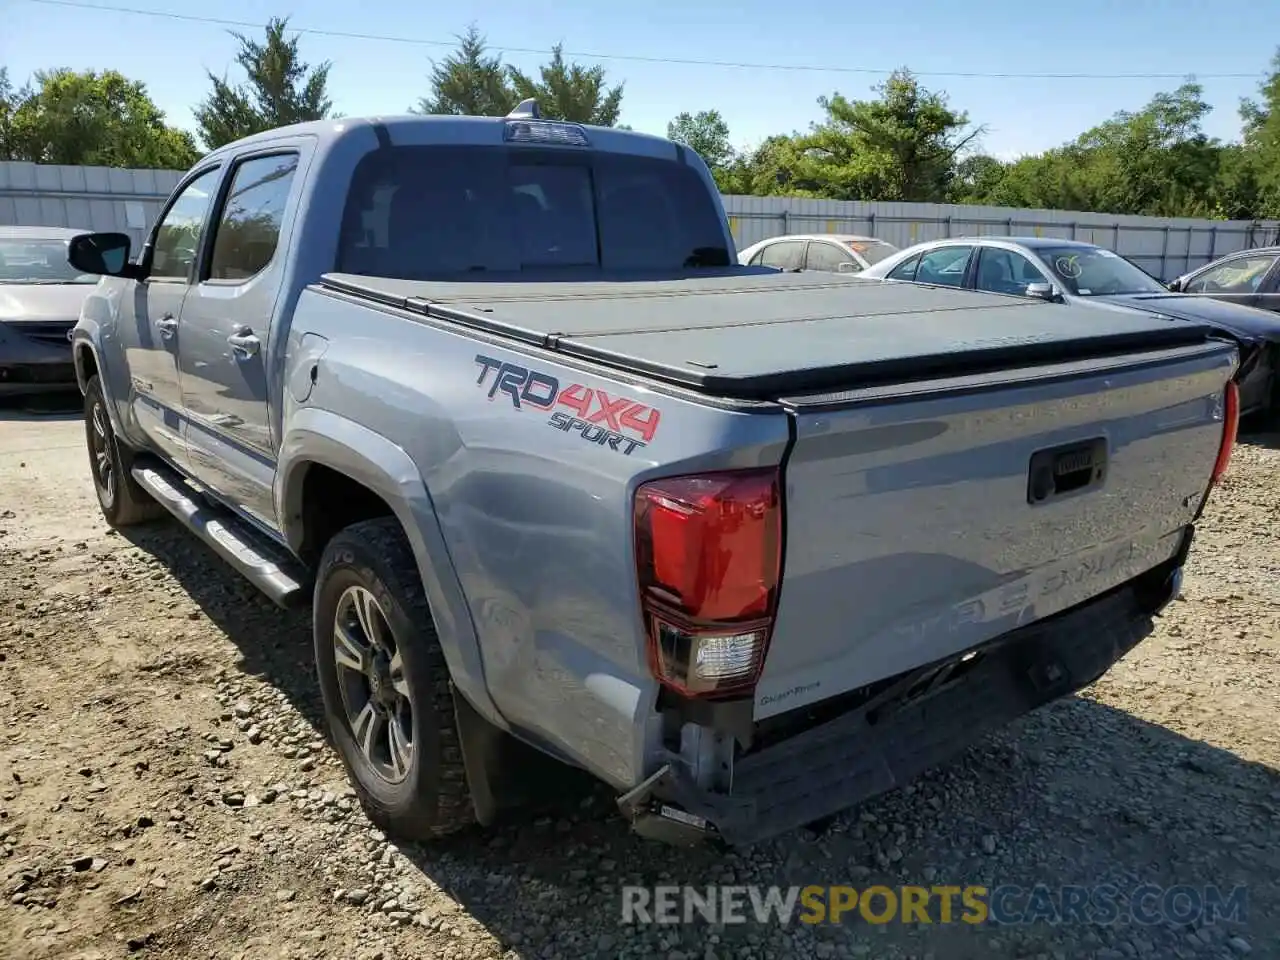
(1250, 278)
(40, 299)
(1071, 271)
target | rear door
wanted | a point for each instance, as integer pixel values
(784, 255)
(225, 324)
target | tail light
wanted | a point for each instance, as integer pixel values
(708, 557)
(1230, 423)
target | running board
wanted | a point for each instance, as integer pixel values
(265, 565)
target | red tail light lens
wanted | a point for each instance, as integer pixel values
(1230, 424)
(708, 554)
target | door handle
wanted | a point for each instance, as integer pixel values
(168, 325)
(244, 343)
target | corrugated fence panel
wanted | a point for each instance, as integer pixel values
(95, 198)
(1165, 247)
(101, 198)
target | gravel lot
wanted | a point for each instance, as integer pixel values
(165, 790)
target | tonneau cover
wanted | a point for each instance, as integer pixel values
(745, 333)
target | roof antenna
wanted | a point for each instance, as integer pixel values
(525, 110)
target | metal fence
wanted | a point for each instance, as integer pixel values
(95, 198)
(103, 198)
(1166, 247)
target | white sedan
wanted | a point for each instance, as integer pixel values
(829, 252)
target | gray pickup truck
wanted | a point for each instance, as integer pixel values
(561, 479)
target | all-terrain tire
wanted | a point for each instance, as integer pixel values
(124, 503)
(433, 799)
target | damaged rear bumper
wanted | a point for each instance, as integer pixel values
(879, 746)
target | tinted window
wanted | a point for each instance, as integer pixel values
(1243, 275)
(1086, 271)
(249, 228)
(1003, 271)
(944, 265)
(828, 257)
(178, 235)
(784, 255)
(906, 270)
(418, 212)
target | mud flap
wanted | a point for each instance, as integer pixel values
(499, 767)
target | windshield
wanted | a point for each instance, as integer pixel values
(1093, 271)
(422, 212)
(36, 260)
(872, 251)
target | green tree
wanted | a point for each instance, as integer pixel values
(777, 167)
(469, 82)
(90, 117)
(280, 89)
(901, 146)
(706, 134)
(1156, 161)
(977, 176)
(10, 100)
(1259, 161)
(570, 91)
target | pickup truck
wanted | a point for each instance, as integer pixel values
(561, 480)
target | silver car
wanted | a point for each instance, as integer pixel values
(828, 252)
(1069, 271)
(40, 299)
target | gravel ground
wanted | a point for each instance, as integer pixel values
(165, 790)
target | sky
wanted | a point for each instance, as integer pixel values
(774, 59)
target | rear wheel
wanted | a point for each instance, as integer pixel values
(123, 502)
(387, 695)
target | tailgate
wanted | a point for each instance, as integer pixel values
(911, 531)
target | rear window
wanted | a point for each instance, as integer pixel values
(423, 212)
(872, 251)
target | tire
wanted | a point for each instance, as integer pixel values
(124, 503)
(421, 793)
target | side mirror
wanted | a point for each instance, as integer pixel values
(1043, 291)
(848, 266)
(101, 253)
(1176, 284)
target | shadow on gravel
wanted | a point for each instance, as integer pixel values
(1079, 793)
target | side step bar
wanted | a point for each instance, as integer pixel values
(265, 565)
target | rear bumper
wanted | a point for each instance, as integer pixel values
(878, 747)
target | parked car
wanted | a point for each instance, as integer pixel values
(827, 252)
(40, 299)
(1250, 278)
(1082, 273)
(559, 478)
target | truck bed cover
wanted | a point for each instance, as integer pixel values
(745, 334)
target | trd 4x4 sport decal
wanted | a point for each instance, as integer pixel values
(619, 423)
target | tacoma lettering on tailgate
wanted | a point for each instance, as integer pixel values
(616, 422)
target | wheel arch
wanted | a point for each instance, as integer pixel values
(323, 454)
(86, 361)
